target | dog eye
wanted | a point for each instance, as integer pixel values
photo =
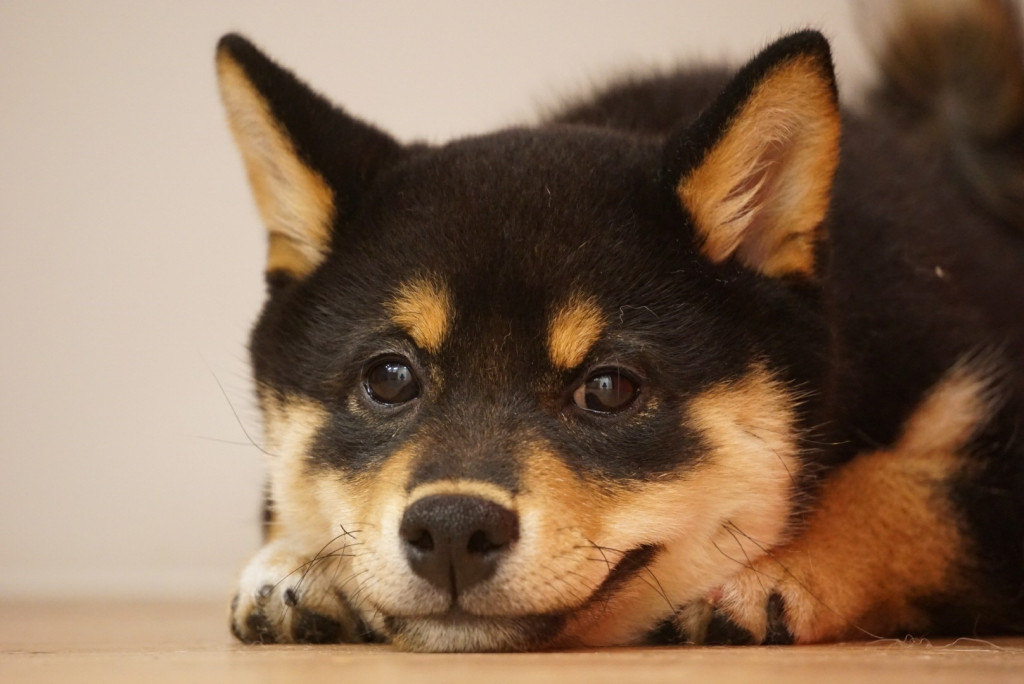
(391, 382)
(606, 391)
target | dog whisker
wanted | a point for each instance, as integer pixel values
(238, 418)
(732, 529)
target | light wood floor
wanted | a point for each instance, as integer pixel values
(162, 642)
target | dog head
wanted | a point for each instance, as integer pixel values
(545, 382)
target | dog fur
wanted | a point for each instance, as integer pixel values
(703, 358)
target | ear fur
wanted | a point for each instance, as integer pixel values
(755, 170)
(307, 161)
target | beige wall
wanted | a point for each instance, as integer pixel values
(130, 255)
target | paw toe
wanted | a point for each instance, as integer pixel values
(250, 622)
(722, 631)
(313, 628)
(777, 631)
(253, 628)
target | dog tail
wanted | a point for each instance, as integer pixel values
(953, 71)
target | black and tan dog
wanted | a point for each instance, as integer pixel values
(702, 359)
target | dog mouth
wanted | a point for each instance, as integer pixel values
(459, 630)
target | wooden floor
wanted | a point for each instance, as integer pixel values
(164, 642)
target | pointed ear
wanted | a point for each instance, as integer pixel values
(308, 162)
(755, 170)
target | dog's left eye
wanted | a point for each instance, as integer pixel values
(391, 382)
(606, 391)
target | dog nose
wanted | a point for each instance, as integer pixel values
(456, 541)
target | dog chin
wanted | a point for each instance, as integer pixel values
(463, 632)
(458, 630)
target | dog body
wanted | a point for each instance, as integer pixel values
(700, 359)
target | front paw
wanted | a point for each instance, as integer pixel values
(787, 596)
(760, 619)
(285, 597)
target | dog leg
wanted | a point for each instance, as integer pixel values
(884, 540)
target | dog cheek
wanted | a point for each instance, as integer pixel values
(742, 490)
(292, 424)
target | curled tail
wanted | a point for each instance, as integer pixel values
(954, 71)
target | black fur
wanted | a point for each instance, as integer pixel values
(915, 274)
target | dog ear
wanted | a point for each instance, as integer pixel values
(307, 161)
(754, 171)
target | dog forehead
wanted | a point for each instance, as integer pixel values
(517, 227)
(511, 189)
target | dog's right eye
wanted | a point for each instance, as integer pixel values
(391, 382)
(607, 391)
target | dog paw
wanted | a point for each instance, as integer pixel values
(789, 596)
(284, 597)
(761, 621)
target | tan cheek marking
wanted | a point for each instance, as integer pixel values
(748, 428)
(566, 501)
(380, 493)
(745, 481)
(748, 425)
(553, 566)
(291, 423)
(883, 533)
(383, 488)
(749, 422)
(295, 203)
(379, 499)
(573, 331)
(423, 309)
(746, 179)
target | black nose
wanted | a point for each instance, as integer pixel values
(455, 541)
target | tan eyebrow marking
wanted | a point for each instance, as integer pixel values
(574, 329)
(423, 309)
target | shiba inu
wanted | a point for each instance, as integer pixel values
(705, 358)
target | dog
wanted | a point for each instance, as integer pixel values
(703, 358)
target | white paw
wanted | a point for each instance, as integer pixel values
(289, 597)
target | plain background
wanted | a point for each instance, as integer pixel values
(131, 253)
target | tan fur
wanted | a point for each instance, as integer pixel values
(556, 565)
(475, 488)
(883, 533)
(295, 202)
(763, 189)
(423, 309)
(378, 499)
(304, 553)
(290, 424)
(573, 330)
(573, 531)
(531, 581)
(693, 515)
